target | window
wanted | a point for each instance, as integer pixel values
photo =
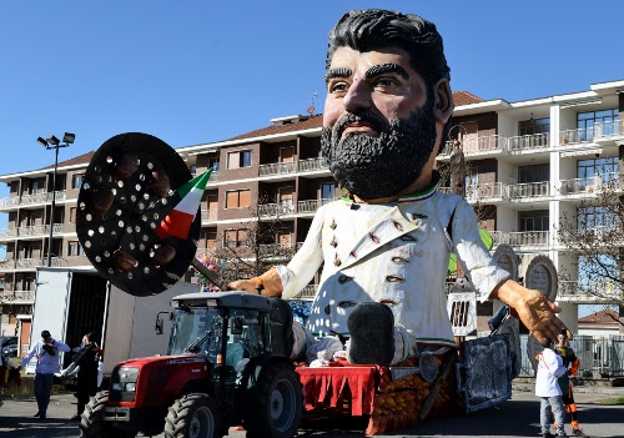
(534, 126)
(72, 215)
(236, 238)
(596, 123)
(533, 220)
(287, 154)
(74, 248)
(534, 173)
(238, 198)
(605, 167)
(77, 180)
(328, 191)
(588, 218)
(239, 159)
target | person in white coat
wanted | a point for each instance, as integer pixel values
(385, 248)
(549, 369)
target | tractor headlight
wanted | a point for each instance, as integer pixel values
(130, 387)
(128, 374)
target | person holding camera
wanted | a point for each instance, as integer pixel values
(47, 352)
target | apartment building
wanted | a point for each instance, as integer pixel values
(530, 164)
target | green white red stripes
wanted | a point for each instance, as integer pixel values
(177, 223)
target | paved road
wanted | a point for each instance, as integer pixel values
(517, 418)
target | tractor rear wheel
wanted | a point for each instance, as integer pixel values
(92, 424)
(193, 416)
(275, 404)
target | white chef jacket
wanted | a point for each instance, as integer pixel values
(396, 253)
(549, 368)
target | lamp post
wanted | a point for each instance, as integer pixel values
(53, 142)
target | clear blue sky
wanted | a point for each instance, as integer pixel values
(198, 71)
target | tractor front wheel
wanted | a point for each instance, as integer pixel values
(193, 416)
(92, 424)
(275, 404)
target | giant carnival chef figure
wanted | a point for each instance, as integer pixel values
(385, 248)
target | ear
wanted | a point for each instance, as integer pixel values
(443, 101)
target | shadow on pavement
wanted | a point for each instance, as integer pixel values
(31, 427)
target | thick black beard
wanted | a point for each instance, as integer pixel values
(382, 166)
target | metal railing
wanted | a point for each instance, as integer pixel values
(308, 292)
(276, 249)
(485, 192)
(33, 231)
(276, 209)
(38, 197)
(521, 143)
(603, 289)
(529, 190)
(521, 238)
(18, 295)
(609, 128)
(312, 164)
(478, 144)
(599, 131)
(277, 168)
(580, 185)
(209, 215)
(599, 356)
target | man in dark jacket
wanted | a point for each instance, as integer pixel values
(87, 360)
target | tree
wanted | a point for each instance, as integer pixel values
(596, 236)
(254, 250)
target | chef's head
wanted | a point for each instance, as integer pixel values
(388, 101)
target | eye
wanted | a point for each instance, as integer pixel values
(386, 82)
(338, 87)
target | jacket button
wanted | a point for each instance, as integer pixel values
(333, 224)
(400, 260)
(373, 237)
(334, 242)
(337, 261)
(398, 225)
(394, 279)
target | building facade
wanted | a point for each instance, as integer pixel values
(530, 163)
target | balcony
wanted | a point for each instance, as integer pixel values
(597, 133)
(7, 264)
(570, 291)
(276, 209)
(485, 192)
(524, 143)
(529, 190)
(576, 186)
(38, 197)
(17, 297)
(277, 168)
(308, 292)
(310, 206)
(292, 167)
(608, 129)
(521, 238)
(276, 250)
(209, 215)
(35, 231)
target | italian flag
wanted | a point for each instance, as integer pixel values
(177, 223)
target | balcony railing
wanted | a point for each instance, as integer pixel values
(529, 190)
(17, 296)
(209, 215)
(277, 249)
(38, 197)
(7, 264)
(312, 164)
(580, 185)
(35, 231)
(485, 192)
(276, 209)
(609, 128)
(521, 238)
(603, 289)
(599, 131)
(521, 143)
(277, 168)
(488, 143)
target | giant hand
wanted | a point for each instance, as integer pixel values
(533, 309)
(268, 284)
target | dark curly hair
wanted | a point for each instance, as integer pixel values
(374, 29)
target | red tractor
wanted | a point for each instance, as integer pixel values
(227, 364)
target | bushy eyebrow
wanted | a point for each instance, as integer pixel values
(380, 69)
(340, 72)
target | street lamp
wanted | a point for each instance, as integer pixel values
(53, 142)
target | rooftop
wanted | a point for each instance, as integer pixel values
(603, 317)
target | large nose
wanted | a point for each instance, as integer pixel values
(358, 96)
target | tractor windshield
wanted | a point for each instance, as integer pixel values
(197, 329)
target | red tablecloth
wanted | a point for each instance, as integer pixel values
(325, 386)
